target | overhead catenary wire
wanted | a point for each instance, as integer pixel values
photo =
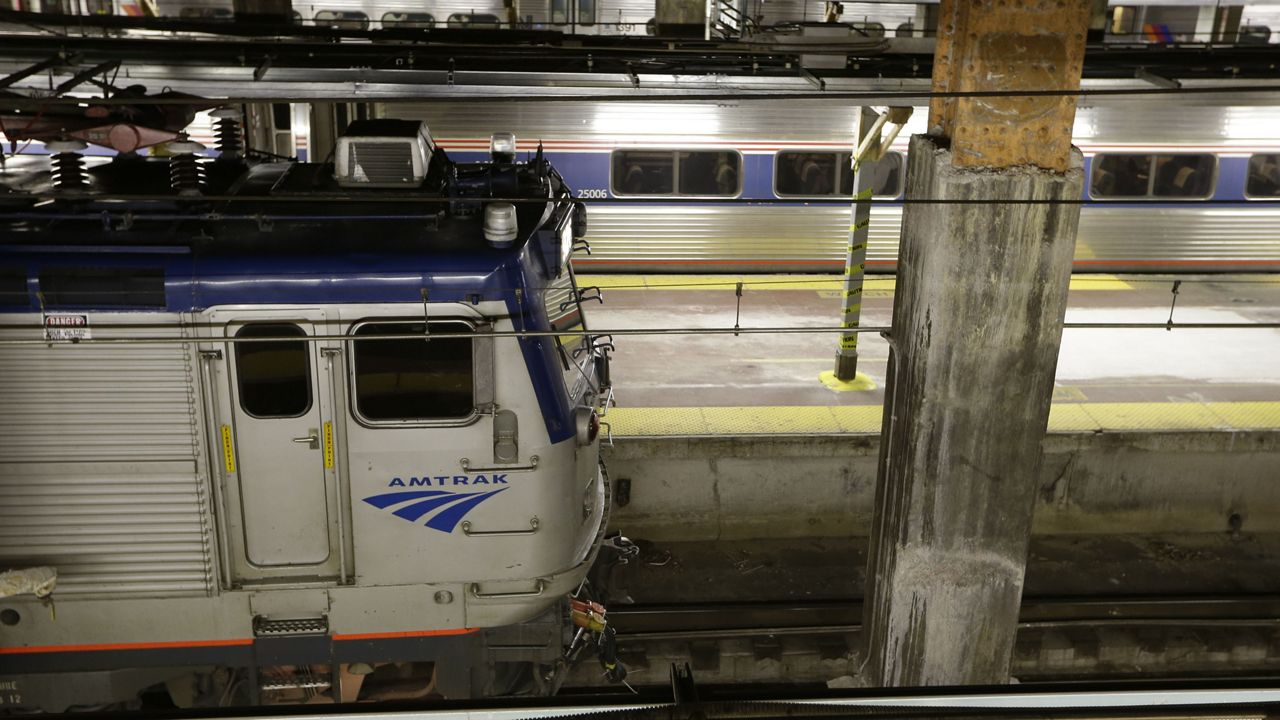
(620, 332)
(879, 96)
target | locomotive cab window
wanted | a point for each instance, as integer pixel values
(1141, 176)
(818, 174)
(411, 380)
(274, 376)
(700, 173)
(1264, 176)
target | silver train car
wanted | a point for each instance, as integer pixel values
(1126, 21)
(1173, 184)
(294, 444)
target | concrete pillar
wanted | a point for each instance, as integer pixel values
(977, 322)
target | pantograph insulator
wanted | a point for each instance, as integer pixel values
(68, 164)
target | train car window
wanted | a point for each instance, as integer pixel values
(1264, 176)
(207, 13)
(343, 19)
(100, 7)
(475, 21)
(1121, 21)
(274, 377)
(1253, 35)
(886, 175)
(412, 380)
(815, 174)
(1139, 176)
(709, 173)
(643, 172)
(13, 286)
(806, 173)
(114, 287)
(424, 21)
(1121, 176)
(1189, 176)
(559, 12)
(586, 12)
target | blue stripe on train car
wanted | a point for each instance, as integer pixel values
(585, 171)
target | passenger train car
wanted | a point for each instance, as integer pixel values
(266, 436)
(1127, 21)
(1173, 183)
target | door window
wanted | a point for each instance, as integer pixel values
(273, 375)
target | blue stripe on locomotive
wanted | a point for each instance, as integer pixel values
(196, 283)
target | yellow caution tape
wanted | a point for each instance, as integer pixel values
(228, 450)
(328, 445)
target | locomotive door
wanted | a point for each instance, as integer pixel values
(275, 429)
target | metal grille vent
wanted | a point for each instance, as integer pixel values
(382, 162)
(264, 626)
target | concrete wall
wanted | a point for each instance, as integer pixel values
(1097, 483)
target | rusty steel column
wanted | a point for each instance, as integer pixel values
(977, 323)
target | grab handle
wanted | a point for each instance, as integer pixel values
(475, 592)
(466, 529)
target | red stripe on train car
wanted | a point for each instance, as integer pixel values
(125, 646)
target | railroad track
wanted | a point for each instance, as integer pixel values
(721, 620)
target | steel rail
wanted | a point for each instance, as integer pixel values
(720, 620)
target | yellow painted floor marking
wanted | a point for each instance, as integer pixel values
(858, 418)
(1098, 282)
(1247, 414)
(860, 382)
(770, 361)
(873, 286)
(1071, 417)
(1155, 416)
(819, 419)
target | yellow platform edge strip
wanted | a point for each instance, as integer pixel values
(789, 282)
(822, 420)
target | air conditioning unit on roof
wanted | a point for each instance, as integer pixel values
(383, 154)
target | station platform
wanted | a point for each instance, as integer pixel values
(1108, 379)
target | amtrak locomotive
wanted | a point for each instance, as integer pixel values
(284, 432)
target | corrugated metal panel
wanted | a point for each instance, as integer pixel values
(732, 232)
(1176, 120)
(98, 465)
(667, 236)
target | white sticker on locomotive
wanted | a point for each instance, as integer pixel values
(67, 327)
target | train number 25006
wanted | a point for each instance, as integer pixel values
(593, 193)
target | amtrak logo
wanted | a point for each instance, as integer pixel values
(448, 507)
